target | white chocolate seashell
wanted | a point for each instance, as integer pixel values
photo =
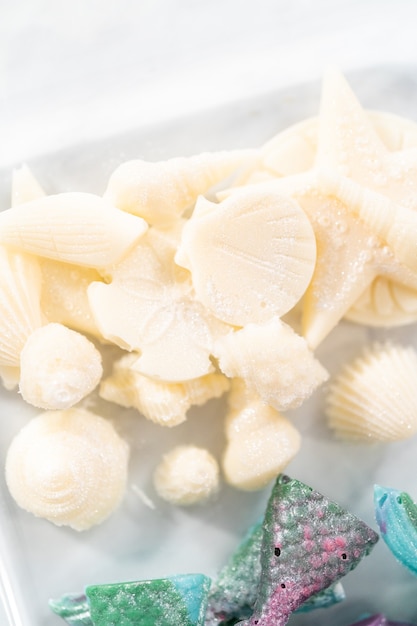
(164, 403)
(391, 222)
(149, 307)
(58, 367)
(20, 312)
(273, 361)
(274, 267)
(74, 227)
(374, 398)
(25, 187)
(187, 475)
(64, 295)
(261, 443)
(161, 191)
(10, 376)
(294, 149)
(69, 467)
(385, 303)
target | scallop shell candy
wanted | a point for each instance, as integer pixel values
(385, 303)
(20, 312)
(373, 399)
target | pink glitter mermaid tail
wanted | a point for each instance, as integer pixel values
(233, 593)
(308, 544)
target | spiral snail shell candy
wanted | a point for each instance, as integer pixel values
(69, 467)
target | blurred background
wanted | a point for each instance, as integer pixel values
(91, 67)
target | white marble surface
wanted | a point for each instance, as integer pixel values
(88, 67)
(183, 76)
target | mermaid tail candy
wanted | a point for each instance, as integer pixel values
(396, 516)
(233, 593)
(73, 608)
(170, 601)
(379, 620)
(308, 544)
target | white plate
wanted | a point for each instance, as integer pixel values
(147, 538)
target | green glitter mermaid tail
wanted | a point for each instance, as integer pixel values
(161, 602)
(73, 608)
(233, 593)
(396, 516)
(308, 544)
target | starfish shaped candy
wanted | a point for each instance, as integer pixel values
(349, 143)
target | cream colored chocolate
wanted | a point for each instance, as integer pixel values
(58, 367)
(10, 376)
(385, 303)
(161, 191)
(164, 403)
(20, 312)
(149, 307)
(294, 149)
(74, 227)
(69, 467)
(273, 361)
(251, 256)
(393, 223)
(187, 475)
(64, 296)
(349, 144)
(25, 187)
(349, 255)
(373, 398)
(260, 441)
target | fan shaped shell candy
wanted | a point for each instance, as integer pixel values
(374, 398)
(262, 237)
(20, 312)
(385, 303)
(69, 467)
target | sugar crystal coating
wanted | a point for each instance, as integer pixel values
(73, 608)
(179, 600)
(378, 619)
(396, 516)
(308, 543)
(233, 593)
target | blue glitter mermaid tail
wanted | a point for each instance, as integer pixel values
(396, 516)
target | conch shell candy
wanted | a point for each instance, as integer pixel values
(69, 467)
(374, 399)
(161, 191)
